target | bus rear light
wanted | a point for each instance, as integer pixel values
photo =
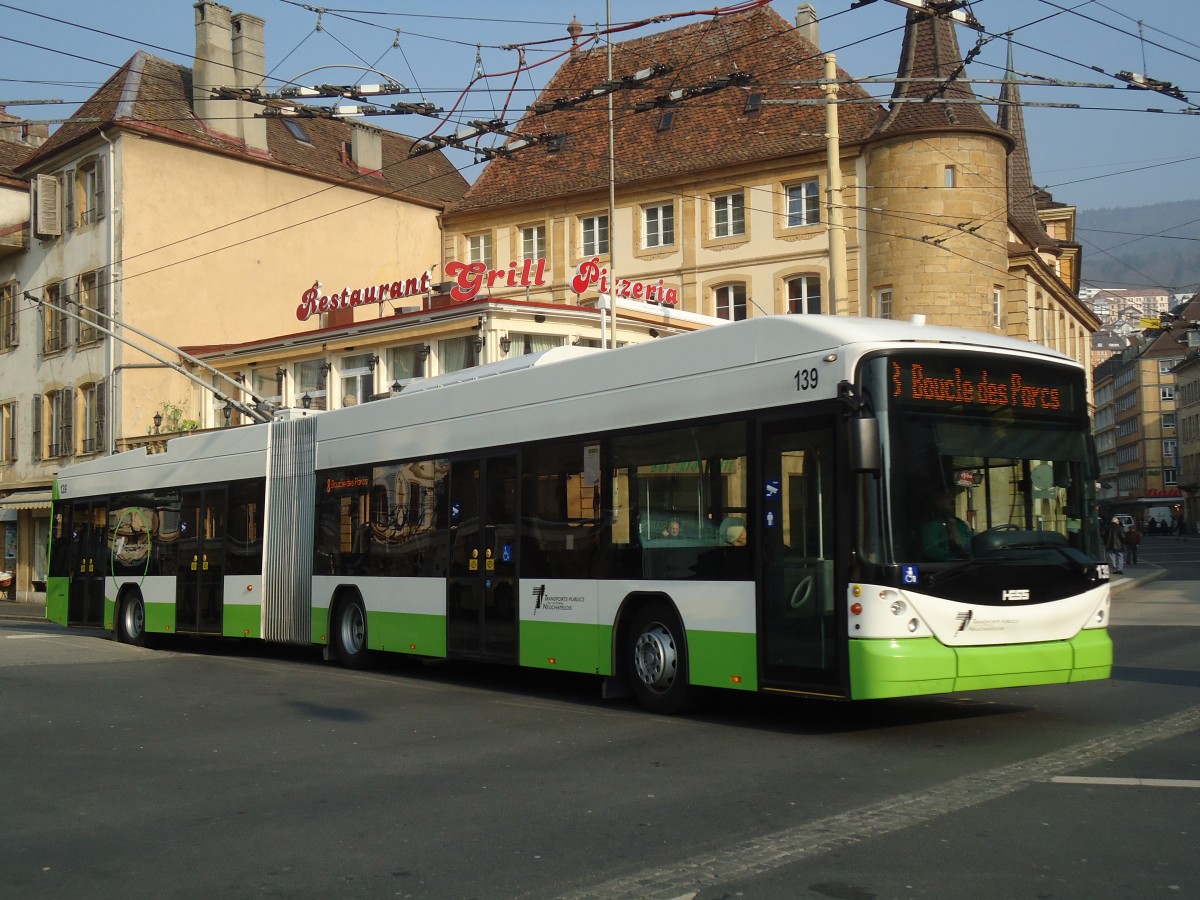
(856, 609)
(551, 660)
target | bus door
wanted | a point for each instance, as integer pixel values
(200, 568)
(481, 602)
(800, 645)
(89, 563)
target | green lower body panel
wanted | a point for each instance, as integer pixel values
(906, 668)
(160, 618)
(566, 646)
(723, 659)
(240, 620)
(416, 633)
(56, 599)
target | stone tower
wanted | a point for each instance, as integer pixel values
(936, 190)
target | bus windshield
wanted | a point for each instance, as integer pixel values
(988, 458)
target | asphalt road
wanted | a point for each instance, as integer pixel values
(252, 770)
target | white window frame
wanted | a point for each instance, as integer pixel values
(804, 204)
(479, 248)
(885, 302)
(726, 304)
(9, 318)
(533, 242)
(594, 235)
(658, 225)
(800, 300)
(8, 431)
(729, 214)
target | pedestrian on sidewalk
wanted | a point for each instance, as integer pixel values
(1133, 539)
(1114, 543)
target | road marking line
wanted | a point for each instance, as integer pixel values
(782, 848)
(1137, 782)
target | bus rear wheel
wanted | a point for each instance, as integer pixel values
(657, 658)
(350, 634)
(131, 621)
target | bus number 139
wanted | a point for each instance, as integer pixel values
(806, 379)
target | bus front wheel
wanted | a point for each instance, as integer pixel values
(657, 657)
(350, 634)
(131, 621)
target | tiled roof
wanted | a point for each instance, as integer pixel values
(153, 96)
(707, 133)
(930, 51)
(12, 155)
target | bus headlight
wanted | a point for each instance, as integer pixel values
(913, 624)
(899, 608)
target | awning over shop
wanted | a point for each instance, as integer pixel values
(26, 500)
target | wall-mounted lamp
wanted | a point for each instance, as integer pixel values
(653, 332)
(505, 343)
(397, 387)
(539, 318)
(157, 422)
(306, 400)
(227, 411)
(325, 370)
(424, 351)
(479, 343)
(372, 362)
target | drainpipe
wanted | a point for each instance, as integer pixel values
(111, 350)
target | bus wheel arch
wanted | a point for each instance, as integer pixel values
(129, 621)
(348, 628)
(652, 654)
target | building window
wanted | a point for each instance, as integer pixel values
(1168, 420)
(55, 324)
(1166, 392)
(312, 378)
(1170, 476)
(60, 431)
(267, 384)
(1169, 449)
(950, 177)
(997, 306)
(729, 215)
(883, 303)
(533, 242)
(8, 431)
(90, 191)
(803, 204)
(804, 294)
(357, 376)
(456, 354)
(479, 249)
(93, 307)
(595, 235)
(8, 316)
(658, 225)
(730, 301)
(1167, 364)
(93, 417)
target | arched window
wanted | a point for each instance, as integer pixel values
(804, 294)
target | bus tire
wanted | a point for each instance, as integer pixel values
(131, 620)
(350, 633)
(657, 661)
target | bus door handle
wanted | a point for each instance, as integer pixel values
(195, 560)
(204, 566)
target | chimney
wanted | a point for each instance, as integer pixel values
(250, 68)
(806, 24)
(213, 67)
(366, 148)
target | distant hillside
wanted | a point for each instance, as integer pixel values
(1114, 254)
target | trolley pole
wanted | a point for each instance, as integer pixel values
(838, 299)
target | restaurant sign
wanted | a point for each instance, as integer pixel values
(468, 280)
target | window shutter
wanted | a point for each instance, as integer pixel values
(68, 185)
(36, 453)
(67, 442)
(64, 321)
(101, 183)
(14, 325)
(12, 431)
(48, 219)
(101, 390)
(102, 297)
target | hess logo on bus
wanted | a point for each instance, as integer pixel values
(1015, 595)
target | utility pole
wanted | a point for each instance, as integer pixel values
(838, 297)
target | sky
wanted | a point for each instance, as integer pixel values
(1108, 152)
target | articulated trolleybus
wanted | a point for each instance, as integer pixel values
(817, 505)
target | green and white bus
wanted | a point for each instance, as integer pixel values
(745, 507)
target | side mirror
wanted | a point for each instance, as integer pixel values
(864, 445)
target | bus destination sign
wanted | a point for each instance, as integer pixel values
(943, 381)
